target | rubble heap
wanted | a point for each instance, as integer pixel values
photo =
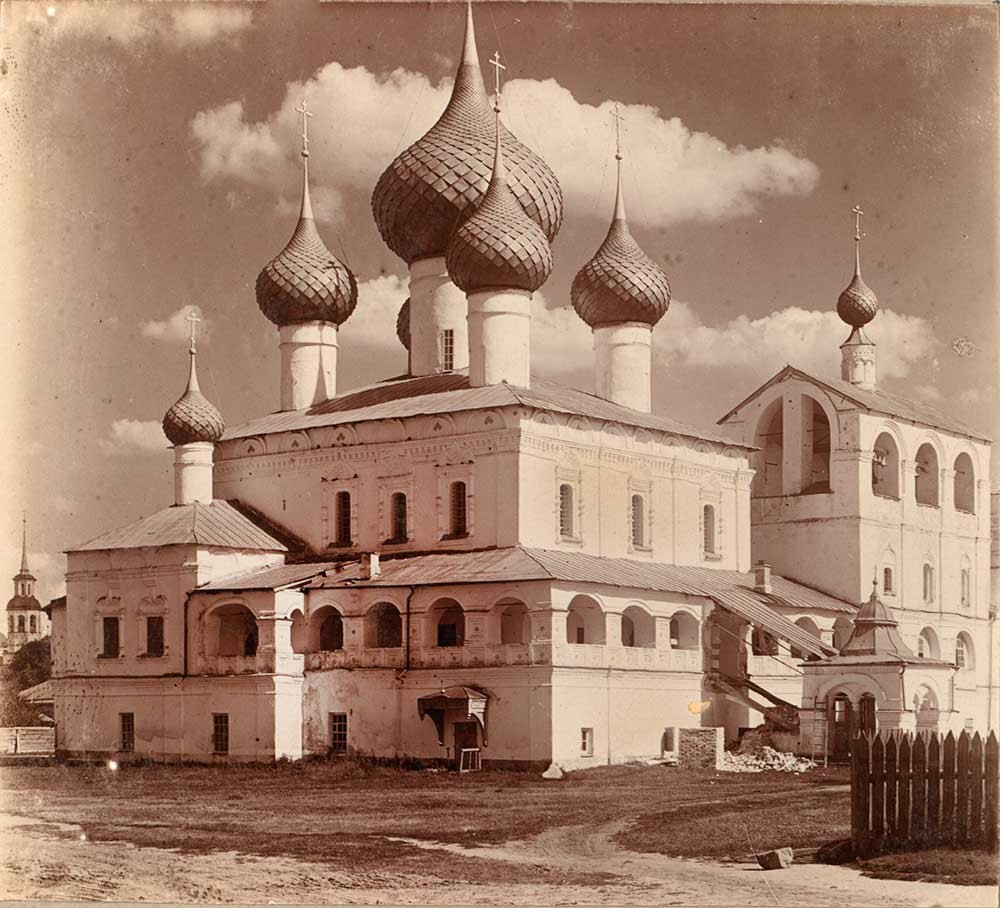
(765, 758)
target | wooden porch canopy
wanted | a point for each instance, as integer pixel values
(470, 701)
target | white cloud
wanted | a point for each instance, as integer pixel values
(49, 569)
(140, 24)
(807, 338)
(562, 344)
(131, 435)
(362, 120)
(176, 327)
(373, 324)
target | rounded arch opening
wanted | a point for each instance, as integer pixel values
(810, 627)
(925, 707)
(299, 632)
(236, 632)
(926, 483)
(512, 624)
(585, 621)
(815, 447)
(685, 631)
(885, 467)
(965, 656)
(446, 623)
(770, 439)
(638, 628)
(383, 626)
(327, 627)
(928, 646)
(965, 484)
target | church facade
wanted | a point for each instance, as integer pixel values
(468, 562)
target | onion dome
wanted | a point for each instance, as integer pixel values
(425, 191)
(305, 282)
(620, 283)
(193, 418)
(857, 305)
(498, 245)
(403, 324)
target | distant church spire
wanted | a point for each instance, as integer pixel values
(24, 544)
(857, 306)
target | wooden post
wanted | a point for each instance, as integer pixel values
(948, 789)
(860, 781)
(962, 789)
(992, 784)
(892, 824)
(878, 793)
(918, 823)
(977, 796)
(932, 828)
(903, 808)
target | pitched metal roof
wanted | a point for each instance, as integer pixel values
(877, 401)
(732, 590)
(450, 392)
(219, 524)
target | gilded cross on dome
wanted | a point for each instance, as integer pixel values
(192, 318)
(856, 210)
(304, 110)
(497, 66)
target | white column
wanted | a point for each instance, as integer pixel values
(308, 364)
(436, 306)
(499, 337)
(193, 472)
(623, 355)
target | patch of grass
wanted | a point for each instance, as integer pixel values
(934, 865)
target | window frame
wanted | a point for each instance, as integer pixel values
(446, 478)
(710, 535)
(148, 653)
(928, 583)
(573, 480)
(338, 733)
(220, 734)
(448, 349)
(126, 733)
(105, 624)
(586, 741)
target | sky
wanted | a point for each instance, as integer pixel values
(150, 158)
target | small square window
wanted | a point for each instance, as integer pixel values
(220, 733)
(338, 733)
(586, 742)
(127, 724)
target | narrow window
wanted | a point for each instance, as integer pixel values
(565, 510)
(220, 733)
(928, 583)
(887, 580)
(154, 635)
(708, 517)
(338, 733)
(587, 742)
(448, 349)
(20, 624)
(966, 588)
(398, 517)
(960, 653)
(32, 624)
(110, 642)
(343, 518)
(459, 513)
(638, 521)
(127, 723)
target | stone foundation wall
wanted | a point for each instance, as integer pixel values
(700, 748)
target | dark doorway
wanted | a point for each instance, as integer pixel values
(466, 737)
(867, 722)
(841, 727)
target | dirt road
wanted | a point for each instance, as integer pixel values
(46, 860)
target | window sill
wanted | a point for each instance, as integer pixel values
(570, 540)
(930, 507)
(965, 511)
(641, 548)
(340, 545)
(394, 541)
(885, 497)
(151, 656)
(110, 656)
(711, 556)
(450, 536)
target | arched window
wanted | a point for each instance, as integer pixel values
(927, 644)
(342, 518)
(585, 621)
(237, 629)
(964, 656)
(398, 507)
(816, 450)
(459, 510)
(708, 528)
(965, 484)
(885, 467)
(566, 510)
(887, 586)
(515, 626)
(383, 626)
(638, 521)
(20, 624)
(889, 572)
(684, 631)
(638, 628)
(331, 632)
(447, 619)
(810, 627)
(32, 624)
(966, 581)
(768, 461)
(927, 476)
(928, 583)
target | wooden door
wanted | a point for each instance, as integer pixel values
(466, 736)
(842, 727)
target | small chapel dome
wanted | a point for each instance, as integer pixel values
(620, 283)
(427, 189)
(403, 324)
(498, 246)
(194, 418)
(305, 282)
(857, 304)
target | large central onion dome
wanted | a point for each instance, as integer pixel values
(422, 194)
(498, 246)
(305, 282)
(620, 283)
(857, 304)
(193, 418)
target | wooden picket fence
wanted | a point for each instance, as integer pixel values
(924, 789)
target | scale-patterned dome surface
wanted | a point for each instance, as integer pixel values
(305, 282)
(498, 245)
(193, 418)
(403, 324)
(620, 283)
(426, 191)
(857, 305)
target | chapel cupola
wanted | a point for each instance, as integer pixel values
(621, 293)
(425, 192)
(307, 292)
(857, 306)
(499, 256)
(193, 425)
